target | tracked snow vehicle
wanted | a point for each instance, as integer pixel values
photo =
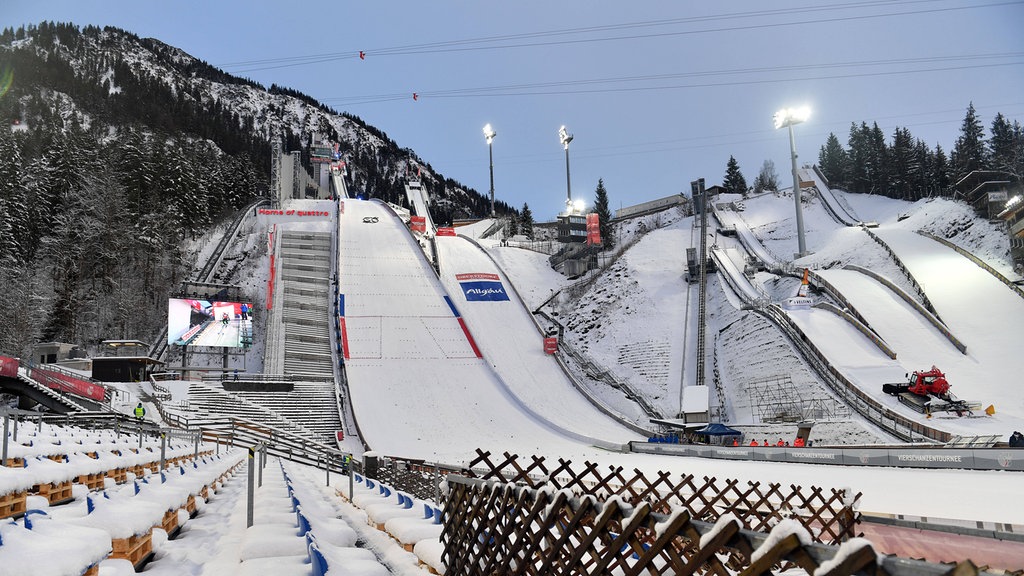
(927, 392)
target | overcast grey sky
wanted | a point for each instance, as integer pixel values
(656, 93)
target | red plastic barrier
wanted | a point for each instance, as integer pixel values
(270, 285)
(8, 366)
(418, 224)
(66, 383)
(344, 337)
(551, 345)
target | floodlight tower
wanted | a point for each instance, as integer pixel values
(787, 117)
(489, 135)
(565, 138)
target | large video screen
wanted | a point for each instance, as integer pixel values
(205, 323)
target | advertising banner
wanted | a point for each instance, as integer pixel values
(482, 287)
(947, 458)
(593, 229)
(999, 459)
(418, 224)
(816, 456)
(551, 345)
(446, 231)
(865, 457)
(296, 211)
(738, 453)
(8, 366)
(66, 383)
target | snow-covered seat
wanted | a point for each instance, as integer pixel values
(347, 559)
(24, 551)
(269, 540)
(296, 565)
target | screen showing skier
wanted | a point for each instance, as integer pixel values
(209, 323)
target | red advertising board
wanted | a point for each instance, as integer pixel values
(418, 224)
(8, 366)
(593, 229)
(446, 231)
(551, 345)
(67, 383)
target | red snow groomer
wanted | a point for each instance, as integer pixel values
(927, 392)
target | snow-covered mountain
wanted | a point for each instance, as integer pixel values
(123, 150)
(110, 77)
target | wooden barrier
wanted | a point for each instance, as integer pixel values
(829, 515)
(119, 475)
(169, 523)
(13, 504)
(134, 549)
(91, 481)
(54, 492)
(490, 525)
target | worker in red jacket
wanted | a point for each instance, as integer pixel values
(799, 442)
(753, 442)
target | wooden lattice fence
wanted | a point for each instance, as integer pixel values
(829, 515)
(493, 528)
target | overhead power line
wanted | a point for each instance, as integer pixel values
(551, 37)
(657, 82)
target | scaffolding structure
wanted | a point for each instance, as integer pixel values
(778, 399)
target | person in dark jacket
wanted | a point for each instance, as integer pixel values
(1016, 439)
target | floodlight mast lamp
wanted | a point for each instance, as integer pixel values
(787, 117)
(564, 137)
(489, 135)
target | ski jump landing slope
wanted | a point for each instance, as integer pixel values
(509, 339)
(417, 385)
(979, 310)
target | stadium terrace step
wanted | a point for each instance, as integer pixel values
(308, 355)
(295, 290)
(306, 304)
(308, 333)
(292, 244)
(308, 318)
(306, 321)
(299, 254)
(215, 400)
(305, 279)
(321, 269)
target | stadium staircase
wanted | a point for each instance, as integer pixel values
(213, 400)
(305, 319)
(52, 399)
(312, 405)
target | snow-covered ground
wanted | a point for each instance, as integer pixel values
(632, 317)
(419, 391)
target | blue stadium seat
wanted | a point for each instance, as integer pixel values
(316, 558)
(302, 521)
(27, 518)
